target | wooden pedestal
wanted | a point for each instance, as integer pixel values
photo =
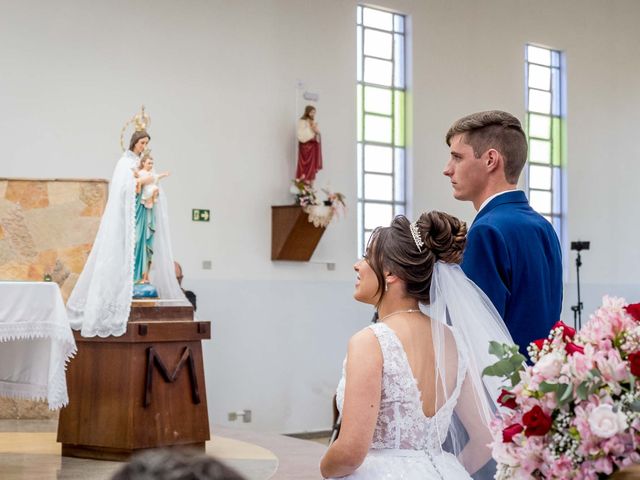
(142, 390)
(292, 236)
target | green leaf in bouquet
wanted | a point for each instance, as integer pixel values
(564, 393)
(595, 373)
(502, 368)
(546, 387)
(497, 349)
(515, 378)
(635, 405)
(518, 361)
(582, 391)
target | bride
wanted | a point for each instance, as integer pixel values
(412, 399)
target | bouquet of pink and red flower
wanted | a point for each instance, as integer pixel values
(575, 412)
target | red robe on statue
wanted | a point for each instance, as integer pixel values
(309, 159)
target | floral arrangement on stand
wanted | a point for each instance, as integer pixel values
(575, 412)
(320, 213)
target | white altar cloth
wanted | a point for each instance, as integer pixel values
(36, 342)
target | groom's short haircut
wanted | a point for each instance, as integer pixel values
(494, 129)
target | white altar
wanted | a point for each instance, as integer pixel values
(36, 342)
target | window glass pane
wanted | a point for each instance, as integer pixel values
(538, 55)
(556, 105)
(377, 215)
(367, 236)
(377, 71)
(359, 149)
(399, 209)
(398, 107)
(557, 187)
(557, 226)
(378, 159)
(540, 201)
(377, 44)
(377, 19)
(539, 101)
(359, 46)
(539, 77)
(540, 126)
(360, 236)
(377, 129)
(359, 114)
(377, 100)
(378, 187)
(539, 151)
(558, 140)
(398, 23)
(398, 64)
(399, 175)
(540, 177)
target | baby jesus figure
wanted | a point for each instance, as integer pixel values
(147, 181)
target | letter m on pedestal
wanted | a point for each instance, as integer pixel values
(154, 361)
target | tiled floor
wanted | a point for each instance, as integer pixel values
(29, 451)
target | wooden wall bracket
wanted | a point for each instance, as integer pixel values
(293, 237)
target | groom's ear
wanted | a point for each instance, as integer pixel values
(493, 160)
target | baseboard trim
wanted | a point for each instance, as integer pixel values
(310, 435)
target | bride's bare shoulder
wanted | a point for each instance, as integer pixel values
(364, 343)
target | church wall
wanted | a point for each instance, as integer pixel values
(220, 80)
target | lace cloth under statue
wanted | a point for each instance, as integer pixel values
(101, 299)
(406, 443)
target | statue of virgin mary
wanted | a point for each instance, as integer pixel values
(100, 302)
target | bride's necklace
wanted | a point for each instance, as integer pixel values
(411, 310)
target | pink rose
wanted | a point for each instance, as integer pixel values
(549, 366)
(606, 423)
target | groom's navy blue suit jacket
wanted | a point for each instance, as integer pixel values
(513, 255)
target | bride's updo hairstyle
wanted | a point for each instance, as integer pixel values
(393, 249)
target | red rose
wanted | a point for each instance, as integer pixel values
(567, 331)
(572, 348)
(511, 431)
(537, 422)
(507, 399)
(633, 309)
(634, 363)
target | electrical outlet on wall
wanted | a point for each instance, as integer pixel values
(245, 414)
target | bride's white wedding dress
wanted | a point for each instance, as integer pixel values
(407, 445)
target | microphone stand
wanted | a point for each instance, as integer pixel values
(577, 309)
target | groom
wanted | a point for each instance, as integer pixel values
(512, 252)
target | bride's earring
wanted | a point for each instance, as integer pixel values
(386, 286)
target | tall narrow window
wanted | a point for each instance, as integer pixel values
(545, 130)
(381, 119)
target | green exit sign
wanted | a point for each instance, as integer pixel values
(198, 215)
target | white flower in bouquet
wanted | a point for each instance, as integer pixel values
(549, 365)
(606, 423)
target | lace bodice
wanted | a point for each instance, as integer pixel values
(401, 422)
